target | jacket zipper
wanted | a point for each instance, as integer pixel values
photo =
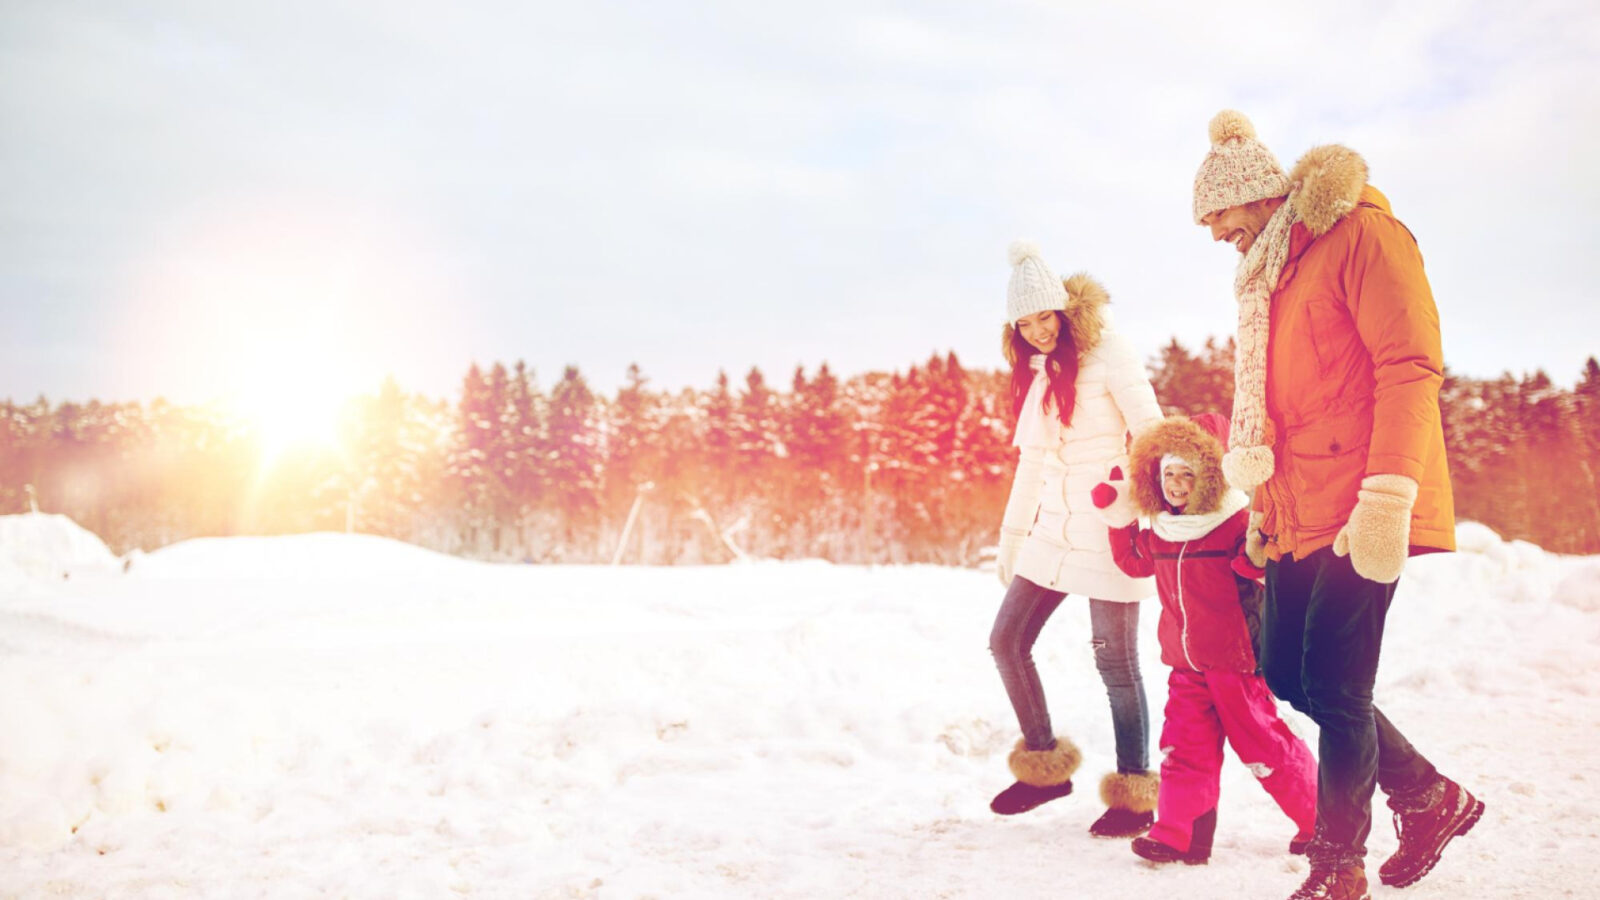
(1183, 636)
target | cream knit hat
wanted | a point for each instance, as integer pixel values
(1238, 170)
(1033, 288)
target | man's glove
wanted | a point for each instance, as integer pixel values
(1005, 562)
(1378, 536)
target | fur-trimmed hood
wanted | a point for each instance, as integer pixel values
(1086, 315)
(1197, 444)
(1325, 185)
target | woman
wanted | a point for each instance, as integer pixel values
(1077, 389)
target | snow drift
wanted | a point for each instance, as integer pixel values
(41, 546)
(342, 715)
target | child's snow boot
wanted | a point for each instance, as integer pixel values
(1042, 776)
(1130, 799)
(1199, 852)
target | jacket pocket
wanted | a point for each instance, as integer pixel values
(1332, 331)
(1325, 464)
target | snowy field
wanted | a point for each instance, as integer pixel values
(344, 716)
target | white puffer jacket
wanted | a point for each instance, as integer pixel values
(1066, 548)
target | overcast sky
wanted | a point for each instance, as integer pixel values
(197, 195)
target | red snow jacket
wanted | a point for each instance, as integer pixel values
(1202, 623)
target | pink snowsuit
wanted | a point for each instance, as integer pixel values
(1213, 692)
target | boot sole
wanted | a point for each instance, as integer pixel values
(1468, 818)
(1162, 859)
(1155, 863)
(1120, 835)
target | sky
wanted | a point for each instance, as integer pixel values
(207, 200)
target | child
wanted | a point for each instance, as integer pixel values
(1195, 548)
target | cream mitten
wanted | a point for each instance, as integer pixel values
(1021, 508)
(1378, 536)
(1005, 562)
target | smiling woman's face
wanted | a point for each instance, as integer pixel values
(1040, 329)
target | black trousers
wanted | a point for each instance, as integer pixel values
(1322, 631)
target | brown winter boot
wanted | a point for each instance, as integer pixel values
(1130, 799)
(1425, 820)
(1333, 881)
(1042, 776)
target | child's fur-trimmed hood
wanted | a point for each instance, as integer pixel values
(1180, 436)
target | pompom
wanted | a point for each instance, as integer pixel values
(1021, 250)
(1230, 124)
(1247, 467)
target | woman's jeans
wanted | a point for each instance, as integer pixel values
(1321, 635)
(1022, 615)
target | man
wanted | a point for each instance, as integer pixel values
(1336, 420)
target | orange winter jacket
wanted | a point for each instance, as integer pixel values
(1353, 373)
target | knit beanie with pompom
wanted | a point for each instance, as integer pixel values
(1033, 288)
(1239, 169)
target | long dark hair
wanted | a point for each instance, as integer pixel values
(1061, 366)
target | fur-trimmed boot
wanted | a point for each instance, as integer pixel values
(1042, 776)
(1130, 800)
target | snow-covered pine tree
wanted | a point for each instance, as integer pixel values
(574, 465)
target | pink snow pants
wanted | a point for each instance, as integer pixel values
(1202, 709)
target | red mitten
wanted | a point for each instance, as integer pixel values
(1244, 568)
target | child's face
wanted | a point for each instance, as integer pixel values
(1177, 483)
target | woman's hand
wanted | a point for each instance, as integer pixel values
(1111, 499)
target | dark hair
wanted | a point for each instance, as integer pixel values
(1061, 366)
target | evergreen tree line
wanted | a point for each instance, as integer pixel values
(909, 466)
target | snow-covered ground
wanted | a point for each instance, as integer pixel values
(343, 716)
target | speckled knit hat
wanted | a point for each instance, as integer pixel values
(1033, 288)
(1238, 170)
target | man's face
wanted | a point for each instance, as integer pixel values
(1239, 225)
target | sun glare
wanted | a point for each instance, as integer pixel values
(283, 309)
(292, 415)
(295, 365)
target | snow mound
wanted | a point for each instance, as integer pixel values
(1475, 537)
(322, 555)
(49, 546)
(1580, 589)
